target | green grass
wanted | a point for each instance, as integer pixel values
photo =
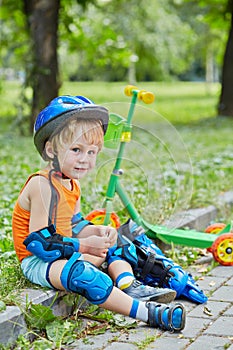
(181, 157)
(179, 102)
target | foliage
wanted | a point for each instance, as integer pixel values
(139, 39)
(46, 331)
(145, 39)
(205, 15)
(14, 36)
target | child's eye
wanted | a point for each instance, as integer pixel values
(76, 149)
(92, 152)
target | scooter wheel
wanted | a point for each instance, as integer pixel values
(215, 228)
(97, 218)
(129, 90)
(146, 96)
(222, 249)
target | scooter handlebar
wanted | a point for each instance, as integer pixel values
(143, 95)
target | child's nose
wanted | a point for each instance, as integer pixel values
(83, 156)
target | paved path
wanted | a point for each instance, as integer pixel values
(208, 326)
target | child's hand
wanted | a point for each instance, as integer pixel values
(95, 245)
(101, 231)
(110, 232)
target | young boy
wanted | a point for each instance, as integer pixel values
(56, 246)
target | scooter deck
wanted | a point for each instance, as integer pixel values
(185, 237)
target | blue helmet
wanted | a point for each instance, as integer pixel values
(59, 110)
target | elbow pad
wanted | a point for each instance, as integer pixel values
(49, 246)
(78, 223)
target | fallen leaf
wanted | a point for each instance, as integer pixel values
(212, 283)
(202, 270)
(207, 311)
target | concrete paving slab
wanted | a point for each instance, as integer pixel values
(143, 332)
(12, 324)
(222, 271)
(211, 283)
(224, 293)
(210, 342)
(97, 342)
(197, 219)
(167, 344)
(194, 326)
(230, 282)
(229, 312)
(122, 346)
(211, 310)
(223, 326)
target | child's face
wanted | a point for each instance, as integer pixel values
(78, 158)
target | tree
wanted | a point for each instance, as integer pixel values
(219, 14)
(31, 32)
(42, 19)
(225, 107)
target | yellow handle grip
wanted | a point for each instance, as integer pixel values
(129, 90)
(143, 95)
(146, 96)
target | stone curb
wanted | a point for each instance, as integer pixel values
(12, 321)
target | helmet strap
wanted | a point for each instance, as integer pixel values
(57, 168)
(53, 202)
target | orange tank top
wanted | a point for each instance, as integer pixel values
(65, 210)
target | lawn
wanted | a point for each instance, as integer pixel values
(181, 156)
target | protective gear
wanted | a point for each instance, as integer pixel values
(78, 223)
(49, 246)
(82, 277)
(59, 110)
(155, 269)
(123, 249)
(168, 317)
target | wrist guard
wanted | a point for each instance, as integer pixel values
(78, 223)
(49, 246)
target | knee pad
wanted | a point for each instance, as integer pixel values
(84, 278)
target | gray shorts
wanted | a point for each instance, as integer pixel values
(36, 271)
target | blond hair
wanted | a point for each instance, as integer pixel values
(90, 129)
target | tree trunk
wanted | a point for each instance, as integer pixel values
(43, 26)
(225, 107)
